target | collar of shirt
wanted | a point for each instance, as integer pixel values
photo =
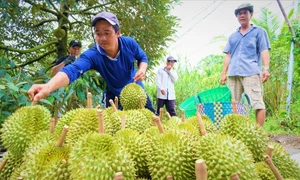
(250, 29)
(101, 51)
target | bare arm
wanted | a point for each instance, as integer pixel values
(56, 68)
(141, 73)
(225, 68)
(39, 91)
(265, 56)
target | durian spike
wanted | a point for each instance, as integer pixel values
(52, 125)
(116, 101)
(113, 105)
(200, 170)
(169, 177)
(62, 137)
(270, 150)
(3, 162)
(89, 100)
(161, 111)
(123, 121)
(33, 103)
(234, 177)
(168, 114)
(140, 103)
(201, 124)
(158, 123)
(275, 171)
(100, 122)
(182, 116)
(233, 104)
(19, 178)
(118, 176)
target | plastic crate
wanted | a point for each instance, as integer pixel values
(219, 94)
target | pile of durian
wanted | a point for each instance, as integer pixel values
(135, 144)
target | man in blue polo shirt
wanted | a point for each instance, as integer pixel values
(112, 56)
(246, 51)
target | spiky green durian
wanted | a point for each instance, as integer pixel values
(287, 166)
(97, 156)
(59, 33)
(22, 126)
(130, 94)
(135, 120)
(171, 153)
(242, 128)
(149, 114)
(171, 123)
(264, 171)
(224, 156)
(208, 124)
(135, 144)
(12, 163)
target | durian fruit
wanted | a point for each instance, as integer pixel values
(171, 153)
(59, 33)
(242, 128)
(98, 156)
(133, 96)
(22, 126)
(149, 114)
(224, 156)
(264, 171)
(171, 123)
(135, 144)
(11, 163)
(287, 166)
(208, 124)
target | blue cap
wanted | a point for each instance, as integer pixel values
(110, 17)
(171, 58)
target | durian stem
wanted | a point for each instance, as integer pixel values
(275, 171)
(182, 116)
(200, 170)
(201, 124)
(168, 114)
(62, 137)
(234, 177)
(118, 176)
(89, 100)
(3, 162)
(116, 101)
(158, 123)
(233, 104)
(169, 177)
(33, 103)
(100, 122)
(52, 125)
(123, 121)
(270, 150)
(161, 111)
(113, 105)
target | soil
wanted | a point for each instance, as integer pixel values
(286, 140)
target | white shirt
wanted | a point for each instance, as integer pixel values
(165, 81)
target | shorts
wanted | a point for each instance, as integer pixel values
(251, 85)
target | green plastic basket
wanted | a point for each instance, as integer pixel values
(219, 94)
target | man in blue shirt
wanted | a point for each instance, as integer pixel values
(112, 56)
(246, 51)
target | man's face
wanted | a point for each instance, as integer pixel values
(74, 51)
(170, 63)
(244, 16)
(106, 36)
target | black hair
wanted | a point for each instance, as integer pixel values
(116, 27)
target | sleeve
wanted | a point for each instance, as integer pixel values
(174, 76)
(227, 48)
(159, 80)
(263, 41)
(139, 54)
(78, 67)
(60, 60)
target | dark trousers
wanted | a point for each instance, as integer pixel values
(109, 95)
(170, 105)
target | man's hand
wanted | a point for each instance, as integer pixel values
(69, 60)
(139, 75)
(265, 76)
(38, 92)
(223, 79)
(163, 92)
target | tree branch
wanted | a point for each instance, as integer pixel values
(27, 50)
(41, 8)
(34, 60)
(44, 21)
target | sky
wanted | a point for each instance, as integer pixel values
(203, 20)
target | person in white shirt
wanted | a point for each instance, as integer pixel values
(166, 77)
